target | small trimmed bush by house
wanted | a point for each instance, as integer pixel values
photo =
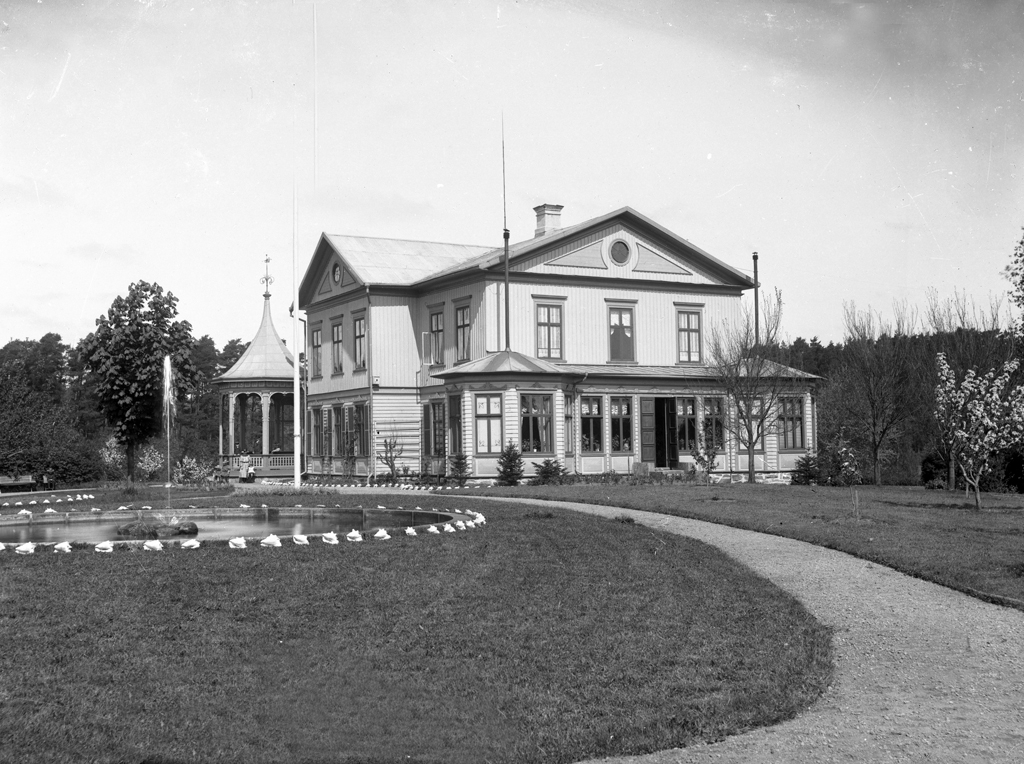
(548, 471)
(510, 465)
(458, 465)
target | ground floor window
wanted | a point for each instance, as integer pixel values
(620, 412)
(535, 424)
(433, 429)
(791, 424)
(358, 430)
(687, 423)
(714, 422)
(570, 430)
(455, 423)
(318, 432)
(488, 424)
(591, 425)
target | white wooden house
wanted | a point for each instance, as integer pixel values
(605, 365)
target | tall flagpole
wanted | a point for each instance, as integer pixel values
(297, 402)
(504, 223)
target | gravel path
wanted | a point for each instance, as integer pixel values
(923, 673)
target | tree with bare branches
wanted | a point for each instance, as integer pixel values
(875, 390)
(751, 381)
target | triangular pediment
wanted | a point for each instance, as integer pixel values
(618, 251)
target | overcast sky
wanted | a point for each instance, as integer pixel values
(866, 151)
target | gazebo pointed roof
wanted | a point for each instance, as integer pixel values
(266, 358)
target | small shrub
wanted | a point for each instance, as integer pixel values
(807, 471)
(459, 468)
(549, 472)
(510, 465)
(624, 519)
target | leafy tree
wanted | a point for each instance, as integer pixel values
(510, 465)
(979, 416)
(43, 364)
(230, 353)
(123, 362)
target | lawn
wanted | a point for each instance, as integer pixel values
(934, 535)
(546, 636)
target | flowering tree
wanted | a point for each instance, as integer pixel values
(978, 417)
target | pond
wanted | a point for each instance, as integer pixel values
(214, 525)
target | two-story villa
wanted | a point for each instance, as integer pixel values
(603, 365)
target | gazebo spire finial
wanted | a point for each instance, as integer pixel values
(267, 279)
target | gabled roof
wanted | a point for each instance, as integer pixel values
(265, 358)
(404, 262)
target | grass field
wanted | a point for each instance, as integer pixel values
(547, 636)
(933, 535)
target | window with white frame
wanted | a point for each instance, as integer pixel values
(462, 333)
(791, 424)
(714, 421)
(437, 338)
(620, 415)
(621, 346)
(686, 419)
(315, 350)
(570, 430)
(358, 431)
(688, 336)
(359, 342)
(535, 434)
(591, 425)
(488, 423)
(336, 348)
(549, 331)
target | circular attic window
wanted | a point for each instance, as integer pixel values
(337, 274)
(620, 252)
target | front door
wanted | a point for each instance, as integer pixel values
(658, 437)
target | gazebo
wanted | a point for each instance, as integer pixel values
(256, 404)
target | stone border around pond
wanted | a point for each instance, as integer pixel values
(452, 517)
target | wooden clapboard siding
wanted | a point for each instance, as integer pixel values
(397, 416)
(393, 343)
(585, 319)
(446, 301)
(325, 316)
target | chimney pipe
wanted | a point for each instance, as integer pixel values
(549, 219)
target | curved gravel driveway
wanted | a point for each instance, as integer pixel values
(923, 673)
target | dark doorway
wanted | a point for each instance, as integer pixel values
(658, 435)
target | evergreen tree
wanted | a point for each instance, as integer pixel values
(510, 465)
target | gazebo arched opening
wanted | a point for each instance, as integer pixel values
(248, 423)
(282, 425)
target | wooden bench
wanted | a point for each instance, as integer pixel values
(10, 484)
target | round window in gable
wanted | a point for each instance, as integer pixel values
(337, 273)
(620, 252)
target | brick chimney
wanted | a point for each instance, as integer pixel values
(549, 219)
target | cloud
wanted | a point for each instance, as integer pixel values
(23, 190)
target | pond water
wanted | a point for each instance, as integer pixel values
(259, 525)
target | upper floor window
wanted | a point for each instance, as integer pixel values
(314, 354)
(549, 331)
(336, 348)
(791, 424)
(536, 431)
(462, 333)
(688, 330)
(437, 338)
(621, 344)
(359, 343)
(488, 424)
(591, 425)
